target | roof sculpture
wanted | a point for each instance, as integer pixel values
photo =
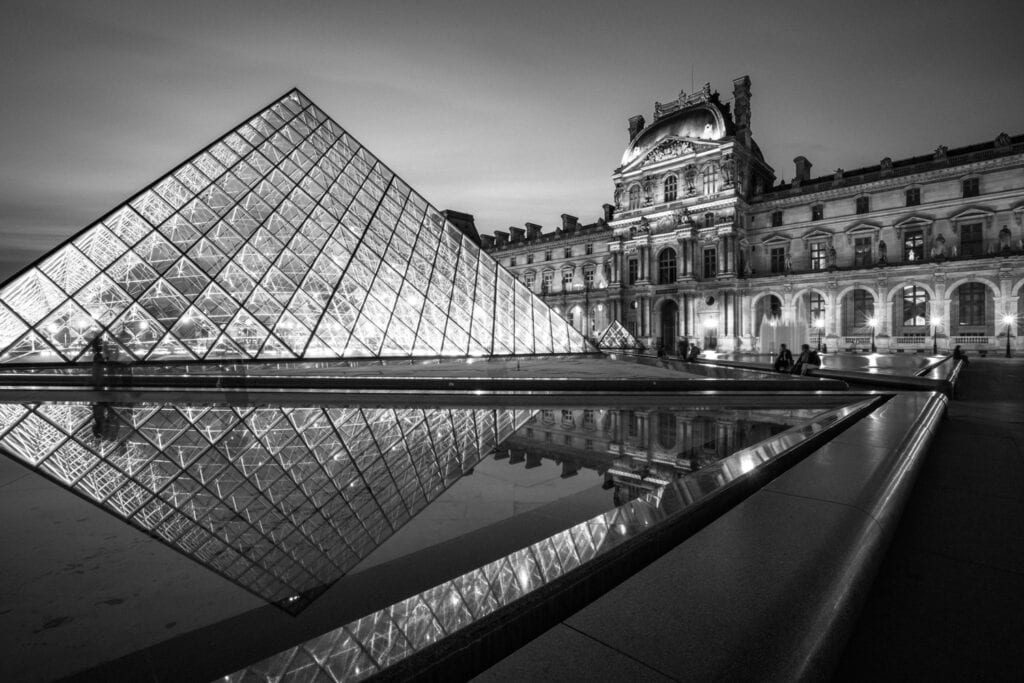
(283, 239)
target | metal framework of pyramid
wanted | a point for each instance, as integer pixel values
(616, 336)
(281, 500)
(283, 239)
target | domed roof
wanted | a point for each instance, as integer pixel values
(701, 122)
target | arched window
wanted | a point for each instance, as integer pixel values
(709, 178)
(634, 197)
(671, 188)
(915, 306)
(667, 266)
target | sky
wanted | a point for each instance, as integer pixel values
(510, 111)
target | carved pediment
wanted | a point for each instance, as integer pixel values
(777, 239)
(816, 234)
(862, 229)
(915, 220)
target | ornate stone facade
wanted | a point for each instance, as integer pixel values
(701, 243)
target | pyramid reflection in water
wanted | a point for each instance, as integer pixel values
(284, 239)
(281, 500)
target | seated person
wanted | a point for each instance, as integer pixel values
(784, 363)
(960, 354)
(694, 353)
(808, 359)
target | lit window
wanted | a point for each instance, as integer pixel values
(818, 256)
(667, 266)
(588, 278)
(913, 245)
(776, 219)
(914, 196)
(817, 212)
(566, 279)
(545, 283)
(528, 280)
(971, 188)
(671, 188)
(915, 306)
(709, 178)
(863, 205)
(634, 197)
(816, 306)
(862, 251)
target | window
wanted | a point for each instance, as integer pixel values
(568, 252)
(512, 261)
(817, 212)
(667, 431)
(862, 251)
(570, 318)
(777, 259)
(913, 196)
(588, 277)
(528, 280)
(863, 307)
(588, 418)
(913, 245)
(915, 306)
(566, 279)
(545, 283)
(863, 205)
(529, 259)
(970, 239)
(567, 419)
(816, 306)
(709, 179)
(709, 220)
(776, 219)
(671, 188)
(972, 303)
(547, 255)
(710, 261)
(567, 439)
(971, 188)
(588, 249)
(634, 270)
(634, 197)
(818, 256)
(667, 266)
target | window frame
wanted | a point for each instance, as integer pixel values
(710, 262)
(671, 188)
(776, 219)
(777, 259)
(667, 266)
(913, 196)
(862, 204)
(818, 255)
(817, 212)
(970, 187)
(971, 301)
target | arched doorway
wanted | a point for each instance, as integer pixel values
(669, 324)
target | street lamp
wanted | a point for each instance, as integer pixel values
(873, 323)
(1009, 319)
(935, 320)
(820, 324)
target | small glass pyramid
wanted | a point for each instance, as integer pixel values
(616, 336)
(286, 238)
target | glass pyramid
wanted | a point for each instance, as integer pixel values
(285, 238)
(281, 500)
(616, 336)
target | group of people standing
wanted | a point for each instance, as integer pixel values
(807, 360)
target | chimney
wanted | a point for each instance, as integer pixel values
(636, 124)
(803, 170)
(486, 242)
(741, 107)
(609, 211)
(533, 231)
(518, 234)
(500, 238)
(569, 223)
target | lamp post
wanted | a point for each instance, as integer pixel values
(820, 324)
(1009, 319)
(873, 323)
(935, 320)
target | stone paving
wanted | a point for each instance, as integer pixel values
(948, 603)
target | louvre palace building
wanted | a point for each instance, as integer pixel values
(701, 242)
